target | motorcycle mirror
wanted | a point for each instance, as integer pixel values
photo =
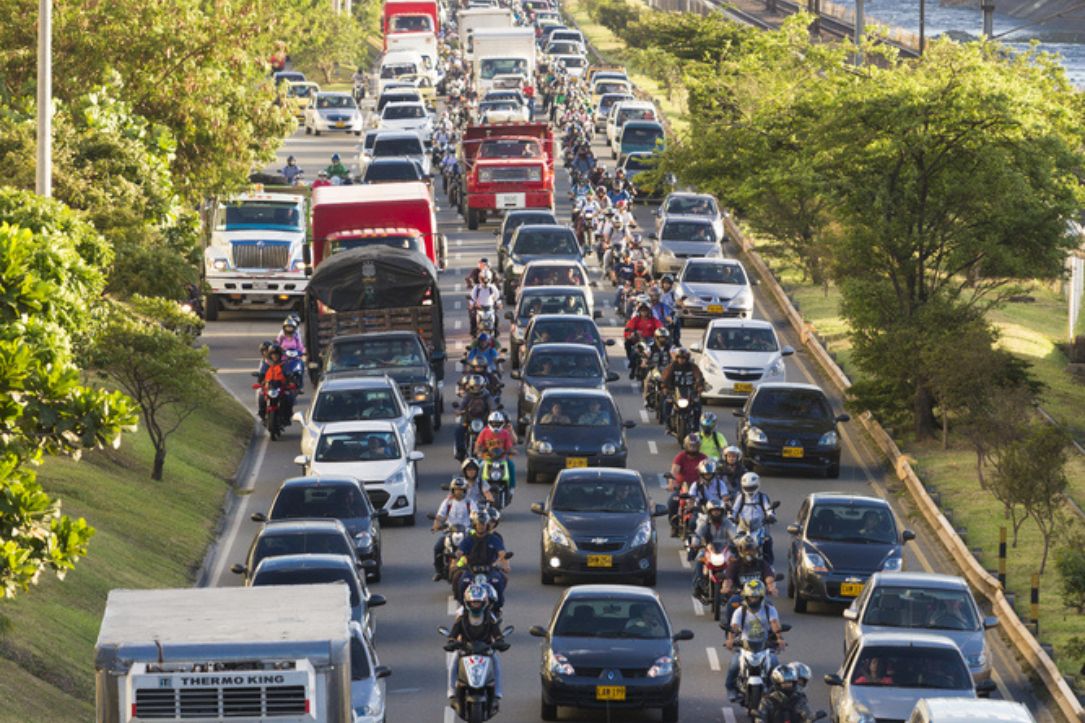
(785, 627)
(431, 515)
(455, 405)
(375, 601)
(508, 315)
(659, 510)
(775, 504)
(538, 508)
(508, 555)
(832, 679)
(238, 569)
(446, 487)
(668, 475)
(258, 517)
(537, 631)
(257, 375)
(442, 630)
(507, 631)
(382, 671)
(609, 342)
(820, 714)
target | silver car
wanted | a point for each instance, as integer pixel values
(906, 601)
(683, 203)
(367, 693)
(714, 288)
(681, 238)
(349, 399)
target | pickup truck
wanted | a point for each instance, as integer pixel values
(506, 166)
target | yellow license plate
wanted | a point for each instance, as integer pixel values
(610, 692)
(745, 387)
(340, 124)
(576, 461)
(600, 561)
(793, 452)
(850, 589)
(715, 309)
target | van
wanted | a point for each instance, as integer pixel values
(401, 64)
(955, 710)
(639, 136)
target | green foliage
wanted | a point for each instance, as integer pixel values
(1070, 563)
(615, 15)
(687, 36)
(332, 41)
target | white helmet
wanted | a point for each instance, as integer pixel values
(751, 482)
(486, 276)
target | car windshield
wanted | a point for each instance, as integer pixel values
(911, 667)
(515, 220)
(714, 274)
(742, 339)
(572, 61)
(919, 607)
(398, 97)
(347, 405)
(538, 242)
(267, 215)
(599, 496)
(410, 243)
(489, 67)
(857, 524)
(311, 577)
(509, 148)
(497, 105)
(638, 163)
(688, 231)
(340, 502)
(638, 136)
(370, 139)
(563, 48)
(397, 69)
(564, 365)
(532, 304)
(300, 90)
(553, 276)
(791, 404)
(628, 114)
(384, 147)
(607, 101)
(577, 412)
(603, 617)
(402, 112)
(412, 24)
(391, 172)
(568, 332)
(610, 86)
(335, 101)
(691, 205)
(357, 447)
(309, 543)
(375, 354)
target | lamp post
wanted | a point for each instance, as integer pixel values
(860, 30)
(922, 26)
(988, 8)
(44, 177)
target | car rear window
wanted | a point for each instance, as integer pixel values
(357, 447)
(375, 354)
(383, 147)
(310, 543)
(564, 365)
(569, 332)
(402, 112)
(329, 501)
(608, 495)
(310, 577)
(391, 173)
(688, 231)
(607, 617)
(639, 136)
(532, 304)
(578, 411)
(851, 523)
(742, 339)
(790, 404)
(553, 276)
(515, 220)
(352, 404)
(918, 607)
(534, 243)
(692, 206)
(714, 274)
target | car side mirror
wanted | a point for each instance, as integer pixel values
(834, 680)
(443, 630)
(659, 510)
(609, 342)
(416, 456)
(239, 569)
(538, 508)
(515, 374)
(755, 282)
(613, 376)
(375, 601)
(820, 715)
(907, 536)
(984, 688)
(843, 417)
(696, 348)
(258, 517)
(382, 671)
(991, 621)
(628, 424)
(416, 411)
(653, 236)
(537, 631)
(682, 635)
(793, 529)
(739, 413)
(508, 315)
(301, 460)
(296, 417)
(596, 314)
(593, 284)
(851, 614)
(787, 351)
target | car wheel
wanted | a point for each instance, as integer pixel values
(375, 576)
(833, 472)
(530, 474)
(409, 520)
(547, 578)
(670, 713)
(791, 585)
(472, 219)
(521, 429)
(650, 578)
(800, 602)
(425, 430)
(316, 132)
(548, 711)
(308, 131)
(211, 308)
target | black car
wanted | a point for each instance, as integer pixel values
(575, 428)
(838, 542)
(536, 241)
(342, 499)
(568, 301)
(515, 219)
(547, 328)
(790, 426)
(598, 523)
(299, 537)
(393, 170)
(403, 356)
(610, 647)
(557, 365)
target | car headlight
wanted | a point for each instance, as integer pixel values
(976, 661)
(397, 478)
(662, 667)
(544, 448)
(643, 534)
(220, 264)
(814, 562)
(755, 435)
(892, 564)
(666, 252)
(559, 664)
(373, 709)
(829, 439)
(777, 368)
(742, 300)
(710, 364)
(609, 448)
(713, 253)
(363, 539)
(860, 717)
(530, 395)
(557, 535)
(421, 392)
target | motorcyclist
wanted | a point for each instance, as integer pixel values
(712, 441)
(755, 618)
(684, 470)
(473, 278)
(476, 623)
(584, 161)
(498, 442)
(746, 565)
(274, 374)
(670, 298)
(786, 702)
(322, 179)
(291, 170)
(713, 527)
(753, 508)
(483, 349)
(359, 81)
(337, 169)
(660, 309)
(261, 401)
(455, 509)
(708, 485)
(682, 373)
(484, 294)
(639, 328)
(477, 489)
(482, 547)
(477, 403)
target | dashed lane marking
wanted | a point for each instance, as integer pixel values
(662, 480)
(644, 416)
(682, 559)
(698, 608)
(728, 714)
(457, 324)
(713, 658)
(652, 446)
(452, 605)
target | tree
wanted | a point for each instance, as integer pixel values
(147, 347)
(1070, 563)
(333, 41)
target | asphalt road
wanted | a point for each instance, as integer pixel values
(406, 637)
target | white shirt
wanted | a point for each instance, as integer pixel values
(484, 295)
(754, 625)
(456, 512)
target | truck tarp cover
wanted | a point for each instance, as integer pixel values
(373, 278)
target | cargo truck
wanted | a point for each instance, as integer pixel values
(472, 19)
(501, 54)
(410, 16)
(494, 182)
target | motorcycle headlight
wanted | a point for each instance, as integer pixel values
(559, 664)
(643, 534)
(662, 667)
(557, 535)
(363, 539)
(829, 439)
(755, 435)
(777, 368)
(814, 562)
(892, 564)
(609, 448)
(220, 264)
(477, 425)
(421, 392)
(544, 448)
(530, 395)
(682, 403)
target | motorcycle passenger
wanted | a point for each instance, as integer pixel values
(682, 373)
(483, 349)
(289, 339)
(497, 442)
(756, 617)
(477, 403)
(482, 546)
(669, 297)
(748, 565)
(584, 162)
(477, 623)
(684, 470)
(261, 401)
(455, 509)
(786, 702)
(753, 509)
(274, 374)
(478, 491)
(661, 309)
(713, 442)
(484, 294)
(713, 527)
(337, 169)
(476, 273)
(640, 328)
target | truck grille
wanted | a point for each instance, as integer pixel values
(249, 702)
(261, 254)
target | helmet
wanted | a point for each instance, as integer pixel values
(802, 673)
(496, 420)
(785, 678)
(486, 276)
(458, 483)
(692, 443)
(494, 514)
(480, 517)
(713, 505)
(475, 383)
(653, 292)
(732, 449)
(484, 339)
(707, 468)
(662, 336)
(682, 353)
(753, 594)
(708, 422)
(601, 191)
(476, 603)
(747, 547)
(289, 159)
(265, 346)
(335, 158)
(643, 306)
(275, 349)
(751, 482)
(322, 174)
(290, 323)
(468, 464)
(667, 279)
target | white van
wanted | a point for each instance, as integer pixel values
(625, 111)
(404, 64)
(956, 710)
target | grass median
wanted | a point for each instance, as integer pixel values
(149, 535)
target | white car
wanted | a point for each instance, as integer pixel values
(411, 116)
(501, 111)
(374, 453)
(684, 203)
(627, 111)
(737, 355)
(395, 144)
(575, 65)
(558, 272)
(709, 288)
(352, 399)
(328, 111)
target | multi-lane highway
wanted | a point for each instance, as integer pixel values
(406, 635)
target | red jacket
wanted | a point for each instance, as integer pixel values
(642, 327)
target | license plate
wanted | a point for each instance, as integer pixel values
(715, 309)
(510, 200)
(576, 462)
(610, 692)
(340, 124)
(850, 589)
(744, 387)
(600, 561)
(793, 452)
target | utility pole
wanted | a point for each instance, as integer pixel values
(988, 8)
(922, 26)
(860, 30)
(44, 178)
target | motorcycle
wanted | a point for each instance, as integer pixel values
(715, 564)
(685, 411)
(758, 529)
(819, 715)
(473, 698)
(755, 658)
(278, 407)
(294, 367)
(495, 473)
(652, 381)
(486, 320)
(453, 535)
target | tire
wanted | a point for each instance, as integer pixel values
(833, 472)
(529, 475)
(472, 219)
(409, 520)
(753, 699)
(521, 429)
(438, 410)
(316, 132)
(548, 711)
(800, 602)
(670, 713)
(308, 131)
(650, 578)
(211, 308)
(425, 430)
(376, 576)
(680, 430)
(717, 603)
(547, 578)
(791, 586)
(475, 714)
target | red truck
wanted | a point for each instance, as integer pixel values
(506, 166)
(397, 215)
(410, 16)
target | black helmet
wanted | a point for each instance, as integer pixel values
(682, 353)
(275, 349)
(662, 336)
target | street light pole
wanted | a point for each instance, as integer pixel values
(988, 8)
(922, 26)
(860, 30)
(44, 178)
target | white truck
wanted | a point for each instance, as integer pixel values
(276, 654)
(255, 256)
(474, 19)
(501, 54)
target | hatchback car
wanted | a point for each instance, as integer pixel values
(790, 426)
(620, 114)
(684, 203)
(610, 647)
(513, 220)
(332, 111)
(557, 365)
(950, 710)
(681, 238)
(837, 542)
(711, 288)
(345, 399)
(736, 356)
(558, 272)
(411, 116)
(548, 328)
(393, 170)
(298, 537)
(536, 241)
(575, 428)
(886, 674)
(502, 111)
(602, 110)
(565, 300)
(367, 692)
(397, 144)
(598, 523)
(906, 601)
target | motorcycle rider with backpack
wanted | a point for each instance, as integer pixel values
(482, 547)
(455, 509)
(714, 527)
(477, 403)
(755, 617)
(484, 294)
(682, 373)
(754, 508)
(476, 623)
(786, 702)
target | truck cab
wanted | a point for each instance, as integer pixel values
(499, 184)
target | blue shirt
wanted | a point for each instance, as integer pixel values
(493, 542)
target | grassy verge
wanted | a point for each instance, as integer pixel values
(149, 534)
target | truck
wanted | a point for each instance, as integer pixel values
(489, 42)
(494, 180)
(410, 16)
(278, 654)
(254, 257)
(397, 215)
(474, 19)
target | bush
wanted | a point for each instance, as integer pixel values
(615, 15)
(1070, 562)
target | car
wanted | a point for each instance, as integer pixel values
(790, 426)
(685, 203)
(410, 116)
(638, 136)
(397, 144)
(367, 692)
(837, 542)
(394, 170)
(318, 569)
(398, 93)
(563, 47)
(513, 220)
(737, 355)
(510, 94)
(566, 300)
(536, 241)
(950, 710)
(337, 499)
(610, 647)
(365, 152)
(543, 328)
(635, 164)
(374, 452)
(558, 272)
(557, 365)
(942, 604)
(293, 76)
(574, 64)
(680, 238)
(352, 398)
(601, 85)
(502, 111)
(712, 287)
(297, 95)
(547, 31)
(575, 428)
(625, 111)
(328, 111)
(602, 109)
(597, 523)
(567, 35)
(298, 537)
(886, 674)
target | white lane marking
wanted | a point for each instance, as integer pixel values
(728, 714)
(450, 715)
(634, 384)
(644, 416)
(457, 324)
(452, 605)
(241, 513)
(459, 242)
(662, 480)
(652, 446)
(457, 305)
(713, 658)
(1002, 689)
(698, 608)
(682, 559)
(458, 286)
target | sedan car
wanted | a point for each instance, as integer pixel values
(367, 692)
(396, 144)
(338, 499)
(598, 523)
(610, 647)
(906, 601)
(332, 111)
(297, 95)
(299, 537)
(886, 674)
(684, 203)
(345, 399)
(837, 542)
(374, 452)
(736, 356)
(410, 116)
(575, 366)
(710, 288)
(681, 238)
(547, 328)
(394, 170)
(563, 300)
(575, 428)
(790, 426)
(602, 110)
(574, 63)
(513, 220)
(536, 241)
(558, 272)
